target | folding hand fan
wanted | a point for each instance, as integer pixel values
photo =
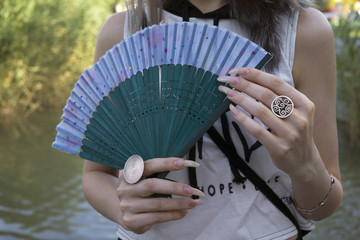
(154, 94)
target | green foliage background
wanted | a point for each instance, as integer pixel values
(46, 44)
(44, 47)
(347, 36)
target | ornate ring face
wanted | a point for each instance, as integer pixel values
(282, 106)
(133, 169)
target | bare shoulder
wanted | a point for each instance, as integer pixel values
(314, 46)
(111, 33)
(313, 29)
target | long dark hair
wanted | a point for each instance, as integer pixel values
(259, 17)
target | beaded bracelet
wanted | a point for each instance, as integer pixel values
(310, 211)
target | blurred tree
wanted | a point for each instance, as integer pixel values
(44, 47)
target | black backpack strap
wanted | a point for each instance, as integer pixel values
(253, 177)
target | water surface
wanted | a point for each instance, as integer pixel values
(41, 198)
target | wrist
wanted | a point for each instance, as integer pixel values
(310, 211)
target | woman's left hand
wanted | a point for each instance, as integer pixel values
(290, 141)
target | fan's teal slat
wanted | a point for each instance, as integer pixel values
(90, 152)
(171, 99)
(195, 109)
(104, 142)
(134, 107)
(102, 145)
(122, 120)
(100, 128)
(179, 118)
(143, 107)
(264, 61)
(107, 110)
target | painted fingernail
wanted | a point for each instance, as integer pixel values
(195, 202)
(228, 79)
(227, 91)
(234, 110)
(189, 163)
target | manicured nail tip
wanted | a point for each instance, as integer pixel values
(223, 89)
(234, 71)
(196, 202)
(240, 71)
(198, 193)
(234, 110)
(223, 79)
(189, 163)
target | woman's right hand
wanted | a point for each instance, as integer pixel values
(140, 211)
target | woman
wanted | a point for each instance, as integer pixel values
(298, 157)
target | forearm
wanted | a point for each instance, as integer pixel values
(314, 191)
(100, 191)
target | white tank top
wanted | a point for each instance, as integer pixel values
(230, 210)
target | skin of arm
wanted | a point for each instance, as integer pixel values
(314, 74)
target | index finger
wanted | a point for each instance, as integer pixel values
(270, 81)
(159, 165)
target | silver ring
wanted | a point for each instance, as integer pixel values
(133, 169)
(282, 106)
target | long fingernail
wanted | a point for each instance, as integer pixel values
(240, 71)
(198, 193)
(195, 202)
(189, 163)
(234, 110)
(194, 191)
(228, 79)
(185, 163)
(227, 91)
(183, 213)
